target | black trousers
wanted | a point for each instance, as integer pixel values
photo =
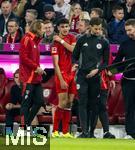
(10, 115)
(102, 111)
(128, 89)
(88, 90)
(31, 102)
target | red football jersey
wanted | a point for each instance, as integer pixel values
(65, 56)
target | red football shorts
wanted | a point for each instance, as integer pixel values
(70, 80)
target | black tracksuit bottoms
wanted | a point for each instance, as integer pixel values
(128, 89)
(31, 102)
(89, 90)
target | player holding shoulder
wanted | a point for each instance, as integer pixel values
(61, 51)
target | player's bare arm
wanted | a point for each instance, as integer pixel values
(64, 43)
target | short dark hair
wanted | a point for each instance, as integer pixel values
(16, 72)
(2, 71)
(130, 22)
(116, 7)
(13, 20)
(99, 11)
(48, 7)
(95, 21)
(62, 21)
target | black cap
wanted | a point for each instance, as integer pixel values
(48, 7)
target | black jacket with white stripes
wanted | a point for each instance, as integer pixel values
(91, 52)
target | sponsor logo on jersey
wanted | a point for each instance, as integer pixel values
(54, 50)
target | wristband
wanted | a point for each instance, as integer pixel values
(62, 41)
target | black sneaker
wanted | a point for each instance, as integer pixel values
(133, 136)
(83, 135)
(108, 135)
(91, 135)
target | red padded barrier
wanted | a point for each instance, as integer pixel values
(119, 110)
(6, 97)
(116, 105)
(113, 98)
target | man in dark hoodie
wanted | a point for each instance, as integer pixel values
(35, 4)
(50, 14)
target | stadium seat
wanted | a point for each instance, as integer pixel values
(116, 105)
(6, 97)
(119, 110)
(3, 82)
(112, 104)
(49, 93)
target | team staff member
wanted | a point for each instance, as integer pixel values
(30, 72)
(64, 77)
(107, 82)
(92, 51)
(127, 51)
